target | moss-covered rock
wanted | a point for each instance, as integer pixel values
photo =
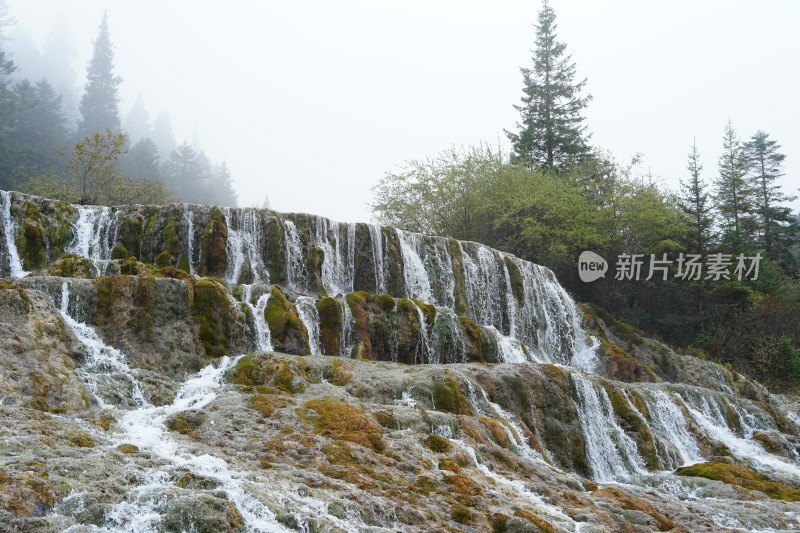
(212, 312)
(479, 347)
(342, 421)
(330, 325)
(743, 477)
(289, 334)
(71, 266)
(213, 246)
(186, 422)
(449, 396)
(395, 282)
(287, 375)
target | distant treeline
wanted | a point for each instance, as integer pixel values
(555, 196)
(58, 144)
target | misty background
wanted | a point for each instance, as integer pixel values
(312, 102)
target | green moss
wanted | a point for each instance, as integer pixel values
(517, 280)
(428, 311)
(130, 233)
(172, 239)
(248, 372)
(128, 449)
(164, 259)
(342, 421)
(330, 325)
(211, 311)
(461, 306)
(40, 403)
(438, 444)
(449, 396)
(625, 367)
(213, 245)
(81, 440)
(338, 373)
(461, 514)
(71, 266)
(183, 263)
(394, 263)
(743, 477)
(479, 347)
(31, 245)
(288, 332)
(120, 252)
(186, 421)
(386, 419)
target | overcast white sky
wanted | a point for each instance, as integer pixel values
(312, 101)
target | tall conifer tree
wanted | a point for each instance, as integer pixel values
(551, 131)
(696, 204)
(100, 102)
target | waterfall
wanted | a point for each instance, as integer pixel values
(424, 347)
(517, 488)
(297, 276)
(338, 266)
(263, 337)
(104, 365)
(376, 236)
(667, 421)
(440, 272)
(10, 232)
(447, 339)
(189, 219)
(94, 235)
(348, 327)
(309, 316)
(706, 410)
(611, 454)
(244, 245)
(417, 283)
(508, 350)
(485, 287)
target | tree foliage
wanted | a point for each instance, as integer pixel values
(100, 102)
(550, 132)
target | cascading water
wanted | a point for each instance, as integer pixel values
(447, 339)
(188, 218)
(376, 235)
(245, 245)
(309, 316)
(611, 454)
(346, 342)
(105, 367)
(297, 275)
(485, 286)
(417, 283)
(667, 421)
(508, 350)
(10, 232)
(338, 266)
(263, 337)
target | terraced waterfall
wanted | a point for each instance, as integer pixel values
(191, 368)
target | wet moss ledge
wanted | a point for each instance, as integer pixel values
(742, 477)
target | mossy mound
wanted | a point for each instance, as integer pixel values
(27, 493)
(186, 421)
(626, 500)
(213, 246)
(288, 375)
(477, 344)
(742, 477)
(448, 395)
(289, 334)
(212, 312)
(342, 421)
(71, 266)
(330, 325)
(622, 366)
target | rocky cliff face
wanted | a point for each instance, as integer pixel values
(394, 382)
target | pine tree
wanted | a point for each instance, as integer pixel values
(137, 122)
(141, 161)
(99, 104)
(184, 175)
(8, 146)
(551, 131)
(163, 135)
(734, 195)
(774, 220)
(696, 204)
(40, 124)
(222, 191)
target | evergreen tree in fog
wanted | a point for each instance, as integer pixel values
(100, 102)
(141, 161)
(184, 175)
(696, 203)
